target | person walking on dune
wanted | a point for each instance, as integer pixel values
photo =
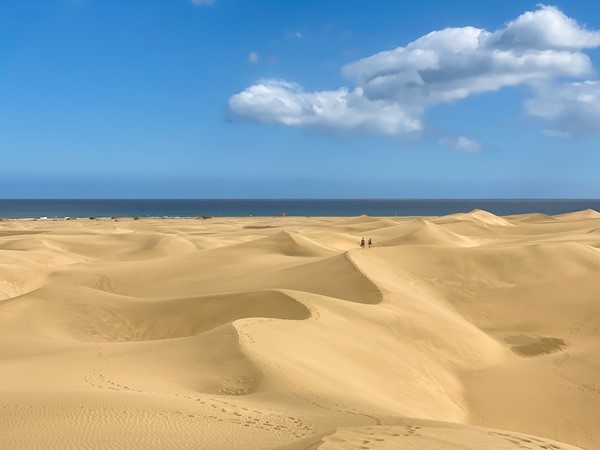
(362, 243)
(370, 242)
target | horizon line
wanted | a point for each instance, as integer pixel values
(306, 199)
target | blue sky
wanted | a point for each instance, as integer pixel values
(272, 99)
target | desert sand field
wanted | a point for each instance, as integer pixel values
(468, 331)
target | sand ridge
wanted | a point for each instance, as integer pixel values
(464, 331)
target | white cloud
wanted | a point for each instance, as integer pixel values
(395, 88)
(452, 64)
(253, 57)
(572, 109)
(274, 101)
(546, 28)
(461, 143)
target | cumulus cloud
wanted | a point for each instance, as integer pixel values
(394, 89)
(275, 101)
(572, 109)
(452, 64)
(548, 28)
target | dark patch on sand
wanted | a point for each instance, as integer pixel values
(529, 346)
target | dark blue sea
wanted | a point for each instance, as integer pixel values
(230, 207)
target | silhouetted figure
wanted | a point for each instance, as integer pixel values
(362, 243)
(370, 242)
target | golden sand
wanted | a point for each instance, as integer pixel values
(467, 331)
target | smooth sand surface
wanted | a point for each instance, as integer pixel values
(467, 331)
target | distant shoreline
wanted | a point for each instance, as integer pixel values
(251, 217)
(61, 209)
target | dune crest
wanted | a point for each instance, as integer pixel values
(289, 244)
(481, 216)
(420, 232)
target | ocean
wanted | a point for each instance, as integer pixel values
(292, 207)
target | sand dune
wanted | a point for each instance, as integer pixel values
(288, 244)
(91, 315)
(466, 331)
(579, 215)
(419, 232)
(481, 217)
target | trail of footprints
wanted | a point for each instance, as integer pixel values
(365, 438)
(531, 443)
(576, 329)
(371, 435)
(220, 410)
(300, 393)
